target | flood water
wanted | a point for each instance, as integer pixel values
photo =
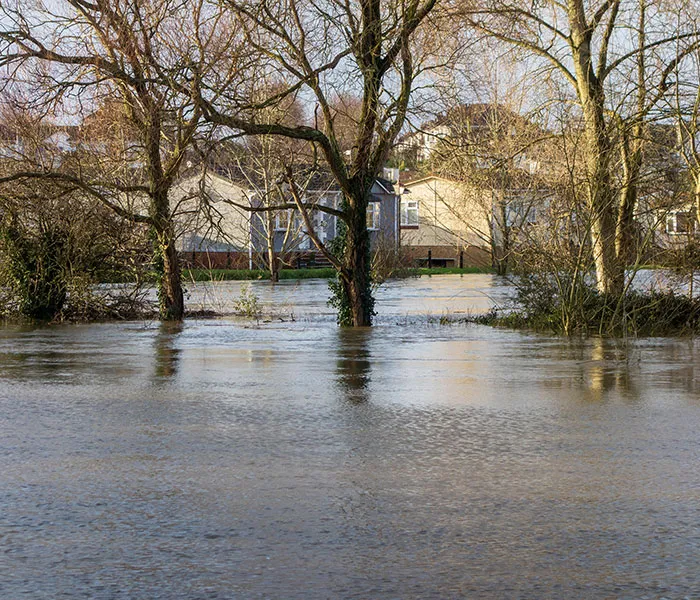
(292, 459)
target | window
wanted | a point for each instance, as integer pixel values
(373, 215)
(520, 213)
(282, 220)
(681, 222)
(409, 213)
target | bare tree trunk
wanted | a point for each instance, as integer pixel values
(502, 254)
(632, 153)
(609, 270)
(696, 194)
(356, 276)
(271, 254)
(172, 305)
(601, 198)
(167, 265)
(632, 166)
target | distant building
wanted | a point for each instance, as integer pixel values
(473, 126)
(479, 189)
(216, 229)
(443, 219)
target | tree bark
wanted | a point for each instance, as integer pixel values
(271, 254)
(356, 276)
(609, 270)
(696, 194)
(601, 198)
(172, 304)
(501, 255)
(632, 166)
(632, 146)
(170, 296)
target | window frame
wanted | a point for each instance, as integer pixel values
(692, 223)
(406, 209)
(293, 220)
(374, 216)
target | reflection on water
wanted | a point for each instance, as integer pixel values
(299, 460)
(354, 363)
(166, 351)
(609, 369)
(600, 366)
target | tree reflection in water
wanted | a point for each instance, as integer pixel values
(353, 366)
(609, 369)
(167, 355)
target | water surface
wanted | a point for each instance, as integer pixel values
(292, 459)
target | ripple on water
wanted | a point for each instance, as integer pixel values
(298, 460)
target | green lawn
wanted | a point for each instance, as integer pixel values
(327, 273)
(245, 274)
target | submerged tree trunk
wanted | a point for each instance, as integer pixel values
(356, 276)
(501, 254)
(352, 292)
(271, 254)
(171, 304)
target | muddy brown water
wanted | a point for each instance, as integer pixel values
(293, 459)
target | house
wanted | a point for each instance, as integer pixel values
(383, 215)
(212, 228)
(482, 185)
(674, 228)
(443, 221)
(480, 129)
(220, 224)
(468, 223)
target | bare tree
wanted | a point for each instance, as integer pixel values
(112, 59)
(587, 44)
(321, 52)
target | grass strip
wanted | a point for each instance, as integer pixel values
(325, 273)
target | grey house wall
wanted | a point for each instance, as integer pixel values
(325, 226)
(387, 236)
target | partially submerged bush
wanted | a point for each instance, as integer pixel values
(248, 303)
(89, 302)
(33, 270)
(556, 305)
(55, 247)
